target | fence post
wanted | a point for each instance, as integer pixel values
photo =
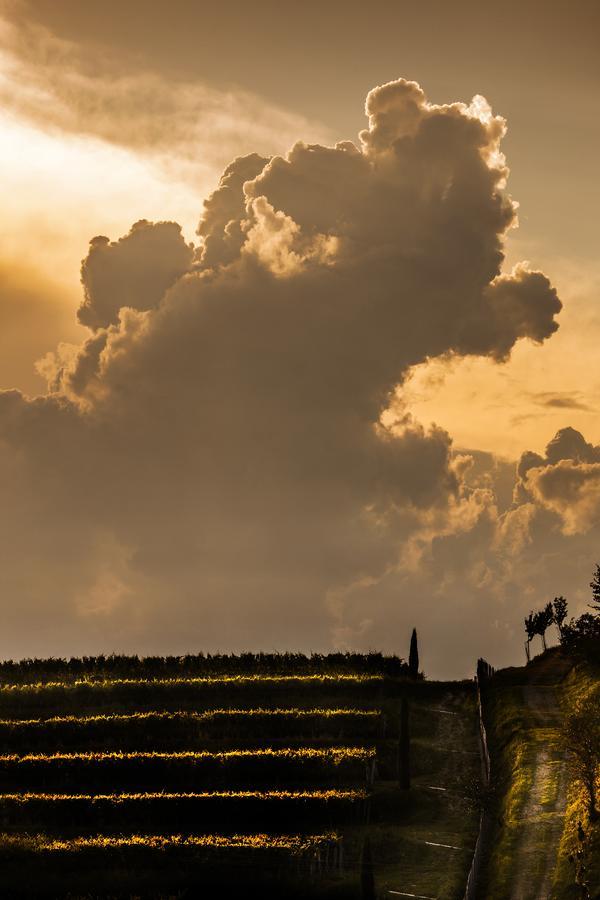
(370, 769)
(404, 746)
(367, 877)
(484, 672)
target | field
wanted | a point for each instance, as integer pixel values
(211, 776)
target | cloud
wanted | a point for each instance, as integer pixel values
(224, 211)
(562, 400)
(565, 481)
(133, 272)
(189, 127)
(572, 490)
(90, 142)
(224, 455)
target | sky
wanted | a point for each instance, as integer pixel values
(266, 383)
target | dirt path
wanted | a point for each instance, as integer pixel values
(540, 829)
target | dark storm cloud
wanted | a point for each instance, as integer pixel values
(210, 466)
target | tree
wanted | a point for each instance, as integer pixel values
(581, 637)
(595, 586)
(581, 735)
(404, 746)
(548, 619)
(542, 620)
(560, 613)
(537, 624)
(530, 631)
(413, 656)
(367, 877)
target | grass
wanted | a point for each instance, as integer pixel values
(194, 694)
(197, 716)
(211, 729)
(108, 684)
(528, 760)
(163, 865)
(190, 812)
(406, 831)
(441, 872)
(406, 828)
(290, 842)
(335, 755)
(579, 683)
(112, 771)
(124, 797)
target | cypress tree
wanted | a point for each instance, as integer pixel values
(404, 747)
(413, 656)
(367, 877)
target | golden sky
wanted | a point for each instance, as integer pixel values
(114, 111)
(118, 112)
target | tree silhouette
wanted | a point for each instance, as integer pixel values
(595, 586)
(542, 620)
(560, 613)
(547, 620)
(581, 637)
(413, 656)
(530, 631)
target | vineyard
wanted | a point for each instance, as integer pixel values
(279, 774)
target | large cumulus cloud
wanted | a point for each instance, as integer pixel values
(133, 272)
(565, 481)
(221, 463)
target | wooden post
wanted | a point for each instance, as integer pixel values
(404, 746)
(367, 877)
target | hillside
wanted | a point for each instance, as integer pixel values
(538, 803)
(205, 776)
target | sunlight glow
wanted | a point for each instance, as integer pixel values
(59, 191)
